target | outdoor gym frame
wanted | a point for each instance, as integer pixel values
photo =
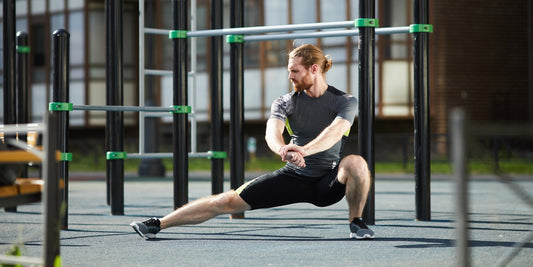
(366, 30)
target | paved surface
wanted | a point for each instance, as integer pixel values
(295, 235)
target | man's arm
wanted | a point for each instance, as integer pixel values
(276, 143)
(326, 139)
(274, 134)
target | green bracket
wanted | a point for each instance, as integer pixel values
(65, 157)
(60, 106)
(181, 109)
(177, 34)
(366, 23)
(23, 49)
(420, 28)
(234, 39)
(116, 155)
(217, 155)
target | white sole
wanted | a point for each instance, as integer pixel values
(365, 236)
(136, 228)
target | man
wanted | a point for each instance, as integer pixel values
(317, 116)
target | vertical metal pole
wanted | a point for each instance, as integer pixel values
(421, 119)
(366, 101)
(10, 109)
(51, 191)
(9, 62)
(115, 96)
(217, 165)
(237, 101)
(142, 84)
(23, 102)
(180, 84)
(193, 73)
(60, 93)
(458, 128)
(530, 59)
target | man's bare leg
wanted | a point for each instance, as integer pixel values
(204, 209)
(354, 173)
(195, 212)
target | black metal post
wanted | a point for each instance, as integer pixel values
(60, 93)
(180, 98)
(23, 98)
(10, 112)
(237, 100)
(23, 103)
(9, 62)
(366, 101)
(217, 136)
(114, 96)
(51, 193)
(421, 119)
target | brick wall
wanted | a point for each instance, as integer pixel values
(479, 60)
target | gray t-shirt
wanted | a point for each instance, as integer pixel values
(305, 118)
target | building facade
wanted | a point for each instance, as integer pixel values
(481, 58)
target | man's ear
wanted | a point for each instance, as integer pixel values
(314, 68)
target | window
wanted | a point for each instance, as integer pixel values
(275, 13)
(77, 42)
(38, 52)
(394, 63)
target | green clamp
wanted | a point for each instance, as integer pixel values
(217, 154)
(23, 49)
(116, 155)
(65, 157)
(234, 39)
(177, 34)
(60, 106)
(366, 23)
(181, 109)
(420, 28)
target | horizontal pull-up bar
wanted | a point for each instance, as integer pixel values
(26, 127)
(261, 29)
(59, 106)
(123, 155)
(340, 33)
(291, 27)
(275, 28)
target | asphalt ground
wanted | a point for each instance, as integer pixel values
(294, 235)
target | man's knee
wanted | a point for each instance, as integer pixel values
(356, 168)
(357, 162)
(228, 202)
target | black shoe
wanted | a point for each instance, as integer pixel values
(359, 230)
(147, 229)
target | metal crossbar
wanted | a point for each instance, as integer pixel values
(260, 29)
(27, 127)
(166, 155)
(323, 34)
(122, 108)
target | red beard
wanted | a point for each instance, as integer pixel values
(304, 84)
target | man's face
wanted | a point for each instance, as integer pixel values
(300, 77)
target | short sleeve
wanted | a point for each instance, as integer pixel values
(347, 108)
(280, 107)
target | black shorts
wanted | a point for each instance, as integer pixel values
(284, 187)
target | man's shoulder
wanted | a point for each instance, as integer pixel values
(338, 93)
(285, 98)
